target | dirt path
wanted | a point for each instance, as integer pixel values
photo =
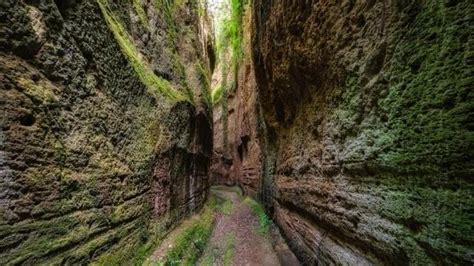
(236, 239)
(234, 235)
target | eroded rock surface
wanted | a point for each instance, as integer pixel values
(95, 163)
(237, 157)
(350, 120)
(368, 110)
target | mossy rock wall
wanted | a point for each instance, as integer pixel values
(368, 110)
(96, 163)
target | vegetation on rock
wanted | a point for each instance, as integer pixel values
(146, 75)
(346, 126)
(191, 243)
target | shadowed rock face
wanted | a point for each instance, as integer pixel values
(368, 143)
(93, 164)
(237, 157)
(351, 120)
(240, 163)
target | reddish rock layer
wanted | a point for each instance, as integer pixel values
(367, 131)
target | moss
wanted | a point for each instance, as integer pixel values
(192, 242)
(137, 247)
(91, 189)
(420, 120)
(208, 260)
(433, 216)
(216, 94)
(133, 247)
(182, 72)
(42, 90)
(167, 9)
(77, 237)
(146, 75)
(229, 48)
(53, 235)
(204, 76)
(231, 34)
(263, 220)
(428, 99)
(422, 98)
(417, 139)
(147, 135)
(227, 207)
(137, 5)
(229, 249)
(201, 11)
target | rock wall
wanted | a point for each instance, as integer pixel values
(368, 129)
(238, 158)
(105, 127)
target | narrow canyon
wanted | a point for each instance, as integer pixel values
(236, 132)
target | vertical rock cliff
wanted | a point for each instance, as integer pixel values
(351, 121)
(106, 127)
(369, 140)
(237, 158)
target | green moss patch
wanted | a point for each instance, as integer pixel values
(227, 207)
(137, 5)
(229, 249)
(192, 242)
(229, 47)
(263, 220)
(144, 72)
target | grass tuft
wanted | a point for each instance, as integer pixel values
(137, 5)
(146, 75)
(229, 249)
(263, 220)
(227, 207)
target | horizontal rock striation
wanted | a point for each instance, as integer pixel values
(368, 142)
(96, 160)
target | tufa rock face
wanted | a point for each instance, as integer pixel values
(367, 136)
(95, 162)
(238, 158)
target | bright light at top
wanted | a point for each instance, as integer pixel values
(219, 10)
